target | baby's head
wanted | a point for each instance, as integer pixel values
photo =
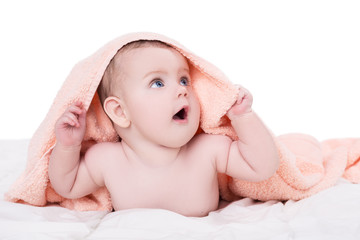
(146, 91)
(108, 85)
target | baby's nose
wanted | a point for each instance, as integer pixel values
(182, 91)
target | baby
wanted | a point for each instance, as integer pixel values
(160, 161)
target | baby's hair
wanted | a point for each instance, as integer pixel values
(107, 84)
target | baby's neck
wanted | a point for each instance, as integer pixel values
(151, 155)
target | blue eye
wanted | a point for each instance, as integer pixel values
(184, 81)
(157, 84)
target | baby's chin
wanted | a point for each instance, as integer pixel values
(181, 141)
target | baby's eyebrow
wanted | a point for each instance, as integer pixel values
(162, 72)
(184, 69)
(153, 72)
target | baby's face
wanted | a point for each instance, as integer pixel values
(158, 95)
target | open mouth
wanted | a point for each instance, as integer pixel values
(182, 114)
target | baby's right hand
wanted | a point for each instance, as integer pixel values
(70, 127)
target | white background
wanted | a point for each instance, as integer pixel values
(300, 59)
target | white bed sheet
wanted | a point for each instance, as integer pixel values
(331, 214)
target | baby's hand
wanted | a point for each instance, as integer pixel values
(242, 105)
(70, 127)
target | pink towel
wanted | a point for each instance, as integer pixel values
(306, 167)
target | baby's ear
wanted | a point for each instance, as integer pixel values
(114, 109)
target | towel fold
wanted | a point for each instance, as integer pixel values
(306, 165)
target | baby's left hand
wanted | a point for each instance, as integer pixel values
(242, 105)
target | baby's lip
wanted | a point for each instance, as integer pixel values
(182, 115)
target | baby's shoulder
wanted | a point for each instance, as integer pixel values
(103, 151)
(211, 142)
(105, 146)
(100, 158)
(210, 148)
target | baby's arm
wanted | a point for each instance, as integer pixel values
(68, 171)
(254, 157)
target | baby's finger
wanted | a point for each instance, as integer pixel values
(79, 104)
(66, 122)
(82, 117)
(240, 96)
(71, 119)
(75, 109)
